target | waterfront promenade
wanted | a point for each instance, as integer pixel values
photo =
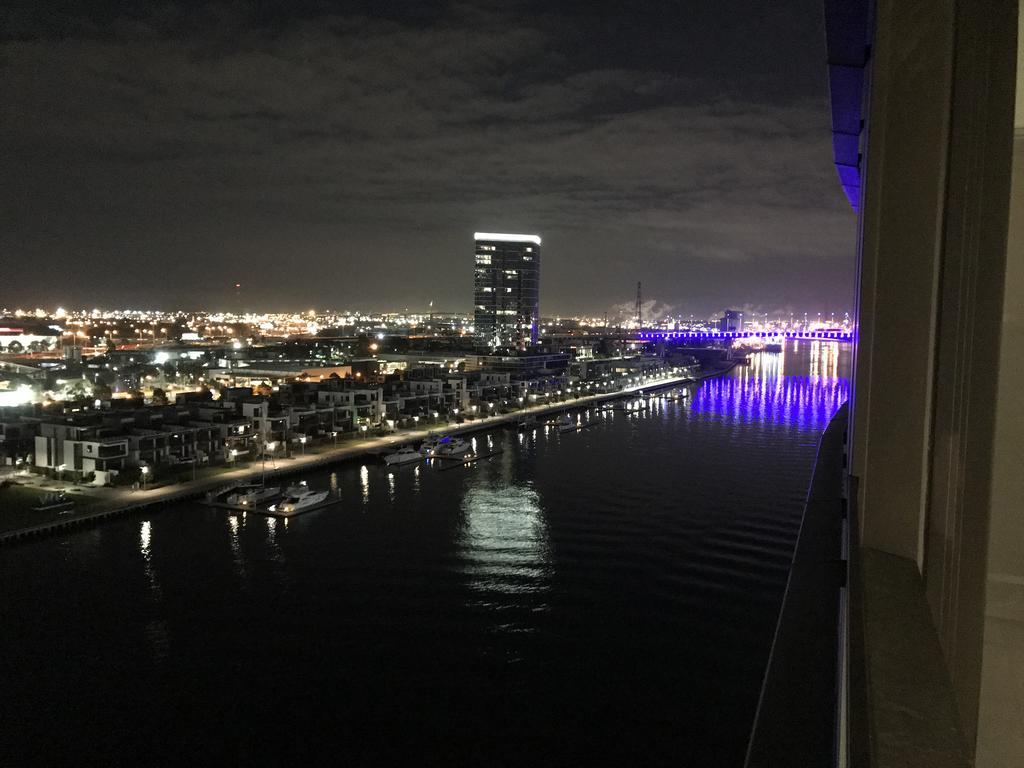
(113, 502)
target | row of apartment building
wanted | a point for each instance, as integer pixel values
(201, 428)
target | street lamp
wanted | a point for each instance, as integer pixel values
(60, 471)
(302, 442)
(145, 472)
(234, 454)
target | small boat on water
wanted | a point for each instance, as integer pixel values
(450, 449)
(251, 495)
(427, 446)
(567, 424)
(297, 489)
(681, 394)
(403, 455)
(299, 502)
(526, 422)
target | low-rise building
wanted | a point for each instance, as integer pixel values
(17, 441)
(79, 448)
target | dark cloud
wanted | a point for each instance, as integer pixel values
(344, 159)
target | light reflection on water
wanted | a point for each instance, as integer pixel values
(784, 389)
(504, 551)
(237, 555)
(144, 535)
(156, 625)
(503, 540)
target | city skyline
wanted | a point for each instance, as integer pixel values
(288, 476)
(330, 161)
(624, 318)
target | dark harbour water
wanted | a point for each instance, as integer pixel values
(600, 597)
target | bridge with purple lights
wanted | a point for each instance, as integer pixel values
(768, 337)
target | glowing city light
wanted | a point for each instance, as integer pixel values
(500, 237)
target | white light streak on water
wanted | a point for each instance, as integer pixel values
(144, 537)
(504, 539)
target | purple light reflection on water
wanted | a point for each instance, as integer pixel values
(801, 399)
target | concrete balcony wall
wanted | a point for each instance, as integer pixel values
(938, 420)
(900, 245)
(1000, 738)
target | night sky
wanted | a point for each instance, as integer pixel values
(341, 155)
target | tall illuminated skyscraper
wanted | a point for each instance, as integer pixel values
(506, 289)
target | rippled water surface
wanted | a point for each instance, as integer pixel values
(607, 595)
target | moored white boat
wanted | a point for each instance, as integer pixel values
(449, 448)
(567, 424)
(299, 502)
(247, 497)
(403, 456)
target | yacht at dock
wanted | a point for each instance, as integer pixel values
(404, 455)
(302, 501)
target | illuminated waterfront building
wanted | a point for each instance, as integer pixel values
(731, 321)
(506, 290)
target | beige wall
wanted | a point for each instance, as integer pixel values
(1001, 714)
(900, 239)
(970, 319)
(938, 413)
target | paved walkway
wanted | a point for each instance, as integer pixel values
(116, 501)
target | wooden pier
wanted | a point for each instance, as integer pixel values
(74, 520)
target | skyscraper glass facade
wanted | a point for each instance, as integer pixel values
(506, 290)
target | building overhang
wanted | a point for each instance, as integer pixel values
(848, 48)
